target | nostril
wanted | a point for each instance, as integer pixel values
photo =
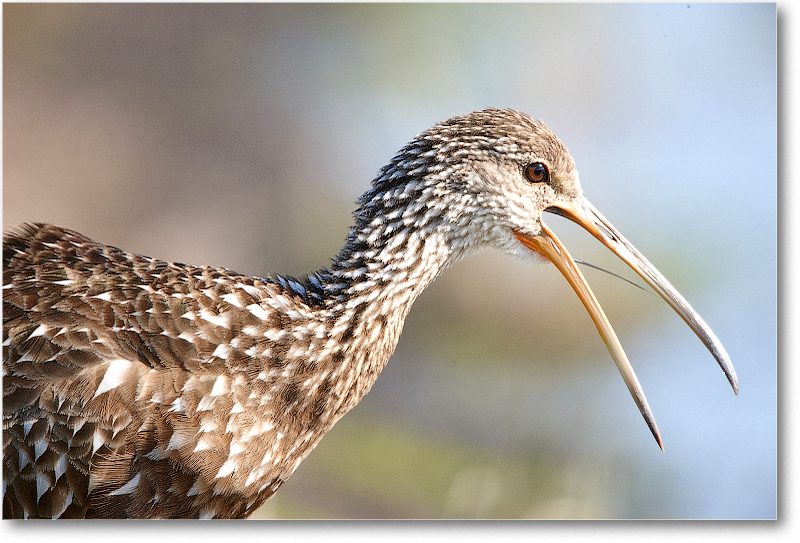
(556, 211)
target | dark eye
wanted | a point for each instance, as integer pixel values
(536, 172)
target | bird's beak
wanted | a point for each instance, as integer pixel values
(582, 212)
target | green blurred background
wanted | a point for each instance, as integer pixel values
(240, 135)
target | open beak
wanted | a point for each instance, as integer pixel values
(582, 212)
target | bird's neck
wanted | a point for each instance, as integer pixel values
(370, 288)
(398, 245)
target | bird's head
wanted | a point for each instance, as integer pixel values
(487, 178)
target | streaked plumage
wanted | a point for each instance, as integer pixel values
(135, 387)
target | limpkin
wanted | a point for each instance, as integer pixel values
(135, 387)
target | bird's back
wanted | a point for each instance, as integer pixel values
(134, 387)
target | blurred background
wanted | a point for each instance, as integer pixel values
(240, 136)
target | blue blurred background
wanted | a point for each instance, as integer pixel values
(240, 135)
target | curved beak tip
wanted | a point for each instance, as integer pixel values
(583, 213)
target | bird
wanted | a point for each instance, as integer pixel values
(139, 388)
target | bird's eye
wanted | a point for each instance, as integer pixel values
(536, 172)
